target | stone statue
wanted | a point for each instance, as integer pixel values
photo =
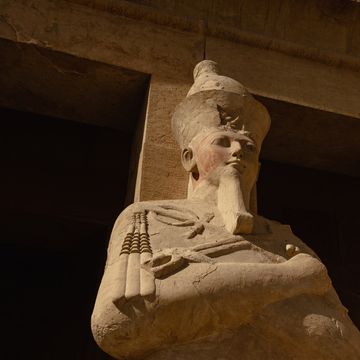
(206, 277)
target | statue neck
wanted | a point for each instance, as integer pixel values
(203, 191)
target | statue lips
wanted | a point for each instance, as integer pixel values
(237, 164)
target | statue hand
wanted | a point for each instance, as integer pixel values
(169, 261)
(309, 274)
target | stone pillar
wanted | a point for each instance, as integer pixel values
(160, 155)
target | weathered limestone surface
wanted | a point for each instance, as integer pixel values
(307, 38)
(298, 22)
(207, 277)
(315, 25)
(285, 77)
(159, 158)
(311, 38)
(100, 36)
(43, 81)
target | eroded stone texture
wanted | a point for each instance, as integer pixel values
(207, 277)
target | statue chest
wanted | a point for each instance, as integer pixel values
(205, 233)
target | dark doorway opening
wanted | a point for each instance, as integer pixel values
(323, 211)
(63, 184)
(65, 163)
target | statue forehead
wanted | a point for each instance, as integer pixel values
(208, 133)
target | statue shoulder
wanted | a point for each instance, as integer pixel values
(284, 234)
(127, 219)
(145, 206)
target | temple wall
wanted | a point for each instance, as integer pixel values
(301, 53)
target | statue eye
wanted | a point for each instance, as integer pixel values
(221, 141)
(250, 146)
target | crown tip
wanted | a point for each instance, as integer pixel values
(205, 66)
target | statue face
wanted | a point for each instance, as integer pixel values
(218, 151)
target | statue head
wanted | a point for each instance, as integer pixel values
(219, 126)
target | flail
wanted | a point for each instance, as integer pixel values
(132, 280)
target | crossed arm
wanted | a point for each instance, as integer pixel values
(204, 298)
(252, 285)
(303, 274)
(194, 295)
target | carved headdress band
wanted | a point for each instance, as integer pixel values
(221, 102)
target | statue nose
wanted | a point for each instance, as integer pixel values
(236, 149)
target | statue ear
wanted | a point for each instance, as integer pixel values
(188, 160)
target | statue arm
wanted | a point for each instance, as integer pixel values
(204, 298)
(303, 274)
(252, 283)
(198, 300)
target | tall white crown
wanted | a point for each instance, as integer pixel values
(206, 77)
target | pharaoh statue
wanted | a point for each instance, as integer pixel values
(206, 277)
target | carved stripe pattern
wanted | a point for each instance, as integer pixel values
(132, 280)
